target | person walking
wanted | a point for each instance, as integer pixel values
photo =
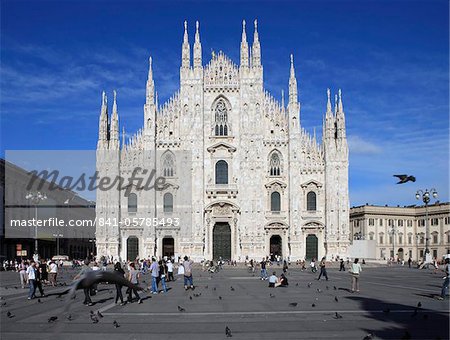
(53, 267)
(285, 266)
(23, 274)
(162, 275)
(31, 279)
(154, 269)
(323, 270)
(263, 269)
(341, 266)
(39, 273)
(170, 271)
(119, 271)
(446, 279)
(84, 269)
(188, 280)
(409, 262)
(133, 277)
(355, 270)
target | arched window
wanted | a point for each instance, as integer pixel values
(132, 203)
(168, 164)
(221, 119)
(168, 202)
(221, 172)
(275, 201)
(311, 204)
(275, 164)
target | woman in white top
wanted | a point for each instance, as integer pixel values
(355, 270)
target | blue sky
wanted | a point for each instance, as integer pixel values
(391, 59)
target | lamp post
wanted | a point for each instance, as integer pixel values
(57, 236)
(393, 231)
(35, 197)
(425, 196)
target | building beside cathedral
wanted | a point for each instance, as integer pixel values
(259, 183)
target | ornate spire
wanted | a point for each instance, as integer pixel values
(282, 99)
(150, 88)
(103, 124)
(114, 133)
(256, 49)
(244, 47)
(123, 137)
(197, 48)
(186, 51)
(328, 101)
(335, 103)
(340, 106)
(293, 92)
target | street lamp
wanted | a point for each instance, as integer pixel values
(57, 235)
(393, 231)
(425, 196)
(35, 197)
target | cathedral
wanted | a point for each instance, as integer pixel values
(242, 178)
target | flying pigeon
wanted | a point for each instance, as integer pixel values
(228, 332)
(405, 178)
(94, 318)
(52, 319)
(181, 309)
(116, 324)
(10, 315)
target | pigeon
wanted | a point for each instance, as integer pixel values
(190, 297)
(419, 304)
(336, 299)
(9, 314)
(228, 332)
(3, 304)
(100, 315)
(313, 305)
(39, 301)
(214, 288)
(94, 318)
(271, 295)
(368, 337)
(334, 287)
(337, 316)
(405, 178)
(232, 289)
(181, 309)
(197, 294)
(52, 319)
(293, 304)
(319, 290)
(309, 285)
(116, 324)
(69, 317)
(296, 284)
(220, 298)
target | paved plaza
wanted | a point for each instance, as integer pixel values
(386, 307)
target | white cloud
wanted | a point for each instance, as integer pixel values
(358, 145)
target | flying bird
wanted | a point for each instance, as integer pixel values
(181, 309)
(52, 319)
(94, 318)
(9, 314)
(405, 178)
(228, 332)
(419, 304)
(116, 324)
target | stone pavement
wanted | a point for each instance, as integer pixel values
(385, 308)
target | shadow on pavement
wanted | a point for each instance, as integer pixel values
(423, 324)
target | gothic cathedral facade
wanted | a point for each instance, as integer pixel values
(260, 184)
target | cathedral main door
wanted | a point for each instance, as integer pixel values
(275, 247)
(222, 241)
(132, 248)
(168, 248)
(311, 247)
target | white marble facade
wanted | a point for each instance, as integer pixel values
(276, 190)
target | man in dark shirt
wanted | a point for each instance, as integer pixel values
(263, 270)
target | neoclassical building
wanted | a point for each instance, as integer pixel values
(257, 182)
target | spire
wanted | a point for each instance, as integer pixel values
(150, 88)
(340, 106)
(244, 47)
(186, 52)
(328, 101)
(103, 124)
(123, 137)
(293, 92)
(114, 133)
(256, 49)
(197, 48)
(282, 99)
(335, 103)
